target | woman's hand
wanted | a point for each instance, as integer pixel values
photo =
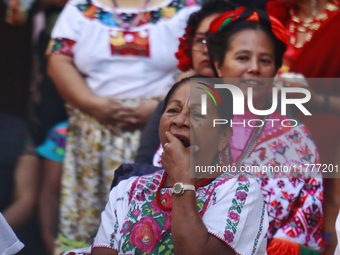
(176, 159)
(108, 112)
(132, 118)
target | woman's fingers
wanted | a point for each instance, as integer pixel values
(114, 130)
(171, 138)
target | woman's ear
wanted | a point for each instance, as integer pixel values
(225, 136)
(217, 68)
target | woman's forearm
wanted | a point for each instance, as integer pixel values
(187, 228)
(69, 82)
(189, 234)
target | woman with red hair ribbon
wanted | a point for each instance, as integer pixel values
(249, 45)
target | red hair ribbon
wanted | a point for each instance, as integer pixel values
(227, 18)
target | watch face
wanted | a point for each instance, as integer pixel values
(178, 187)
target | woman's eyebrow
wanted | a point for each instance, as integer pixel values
(200, 33)
(175, 101)
(267, 54)
(242, 52)
(195, 105)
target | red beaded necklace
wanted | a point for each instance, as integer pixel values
(169, 208)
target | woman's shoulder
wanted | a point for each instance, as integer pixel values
(135, 185)
(237, 184)
(236, 214)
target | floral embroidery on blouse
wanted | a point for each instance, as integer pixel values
(130, 43)
(147, 227)
(60, 46)
(93, 12)
(113, 235)
(236, 208)
(256, 242)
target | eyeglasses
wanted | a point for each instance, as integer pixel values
(200, 43)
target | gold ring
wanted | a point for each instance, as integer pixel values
(166, 144)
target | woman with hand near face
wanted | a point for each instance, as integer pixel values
(249, 45)
(169, 212)
(250, 53)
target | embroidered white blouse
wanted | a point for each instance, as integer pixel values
(117, 63)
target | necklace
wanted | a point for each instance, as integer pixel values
(309, 25)
(169, 208)
(134, 22)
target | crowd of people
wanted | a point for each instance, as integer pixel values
(101, 127)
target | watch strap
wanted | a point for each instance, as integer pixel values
(188, 187)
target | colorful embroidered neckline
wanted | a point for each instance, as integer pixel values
(93, 12)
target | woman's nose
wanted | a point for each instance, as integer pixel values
(205, 50)
(254, 67)
(183, 119)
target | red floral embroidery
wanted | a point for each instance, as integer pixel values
(130, 44)
(60, 46)
(229, 236)
(145, 234)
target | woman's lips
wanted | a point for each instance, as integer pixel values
(183, 139)
(206, 62)
(252, 82)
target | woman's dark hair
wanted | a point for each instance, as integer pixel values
(208, 8)
(219, 43)
(225, 111)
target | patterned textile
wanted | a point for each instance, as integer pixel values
(60, 46)
(294, 205)
(92, 155)
(130, 43)
(93, 12)
(133, 223)
(103, 53)
(122, 42)
(53, 147)
(29, 146)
